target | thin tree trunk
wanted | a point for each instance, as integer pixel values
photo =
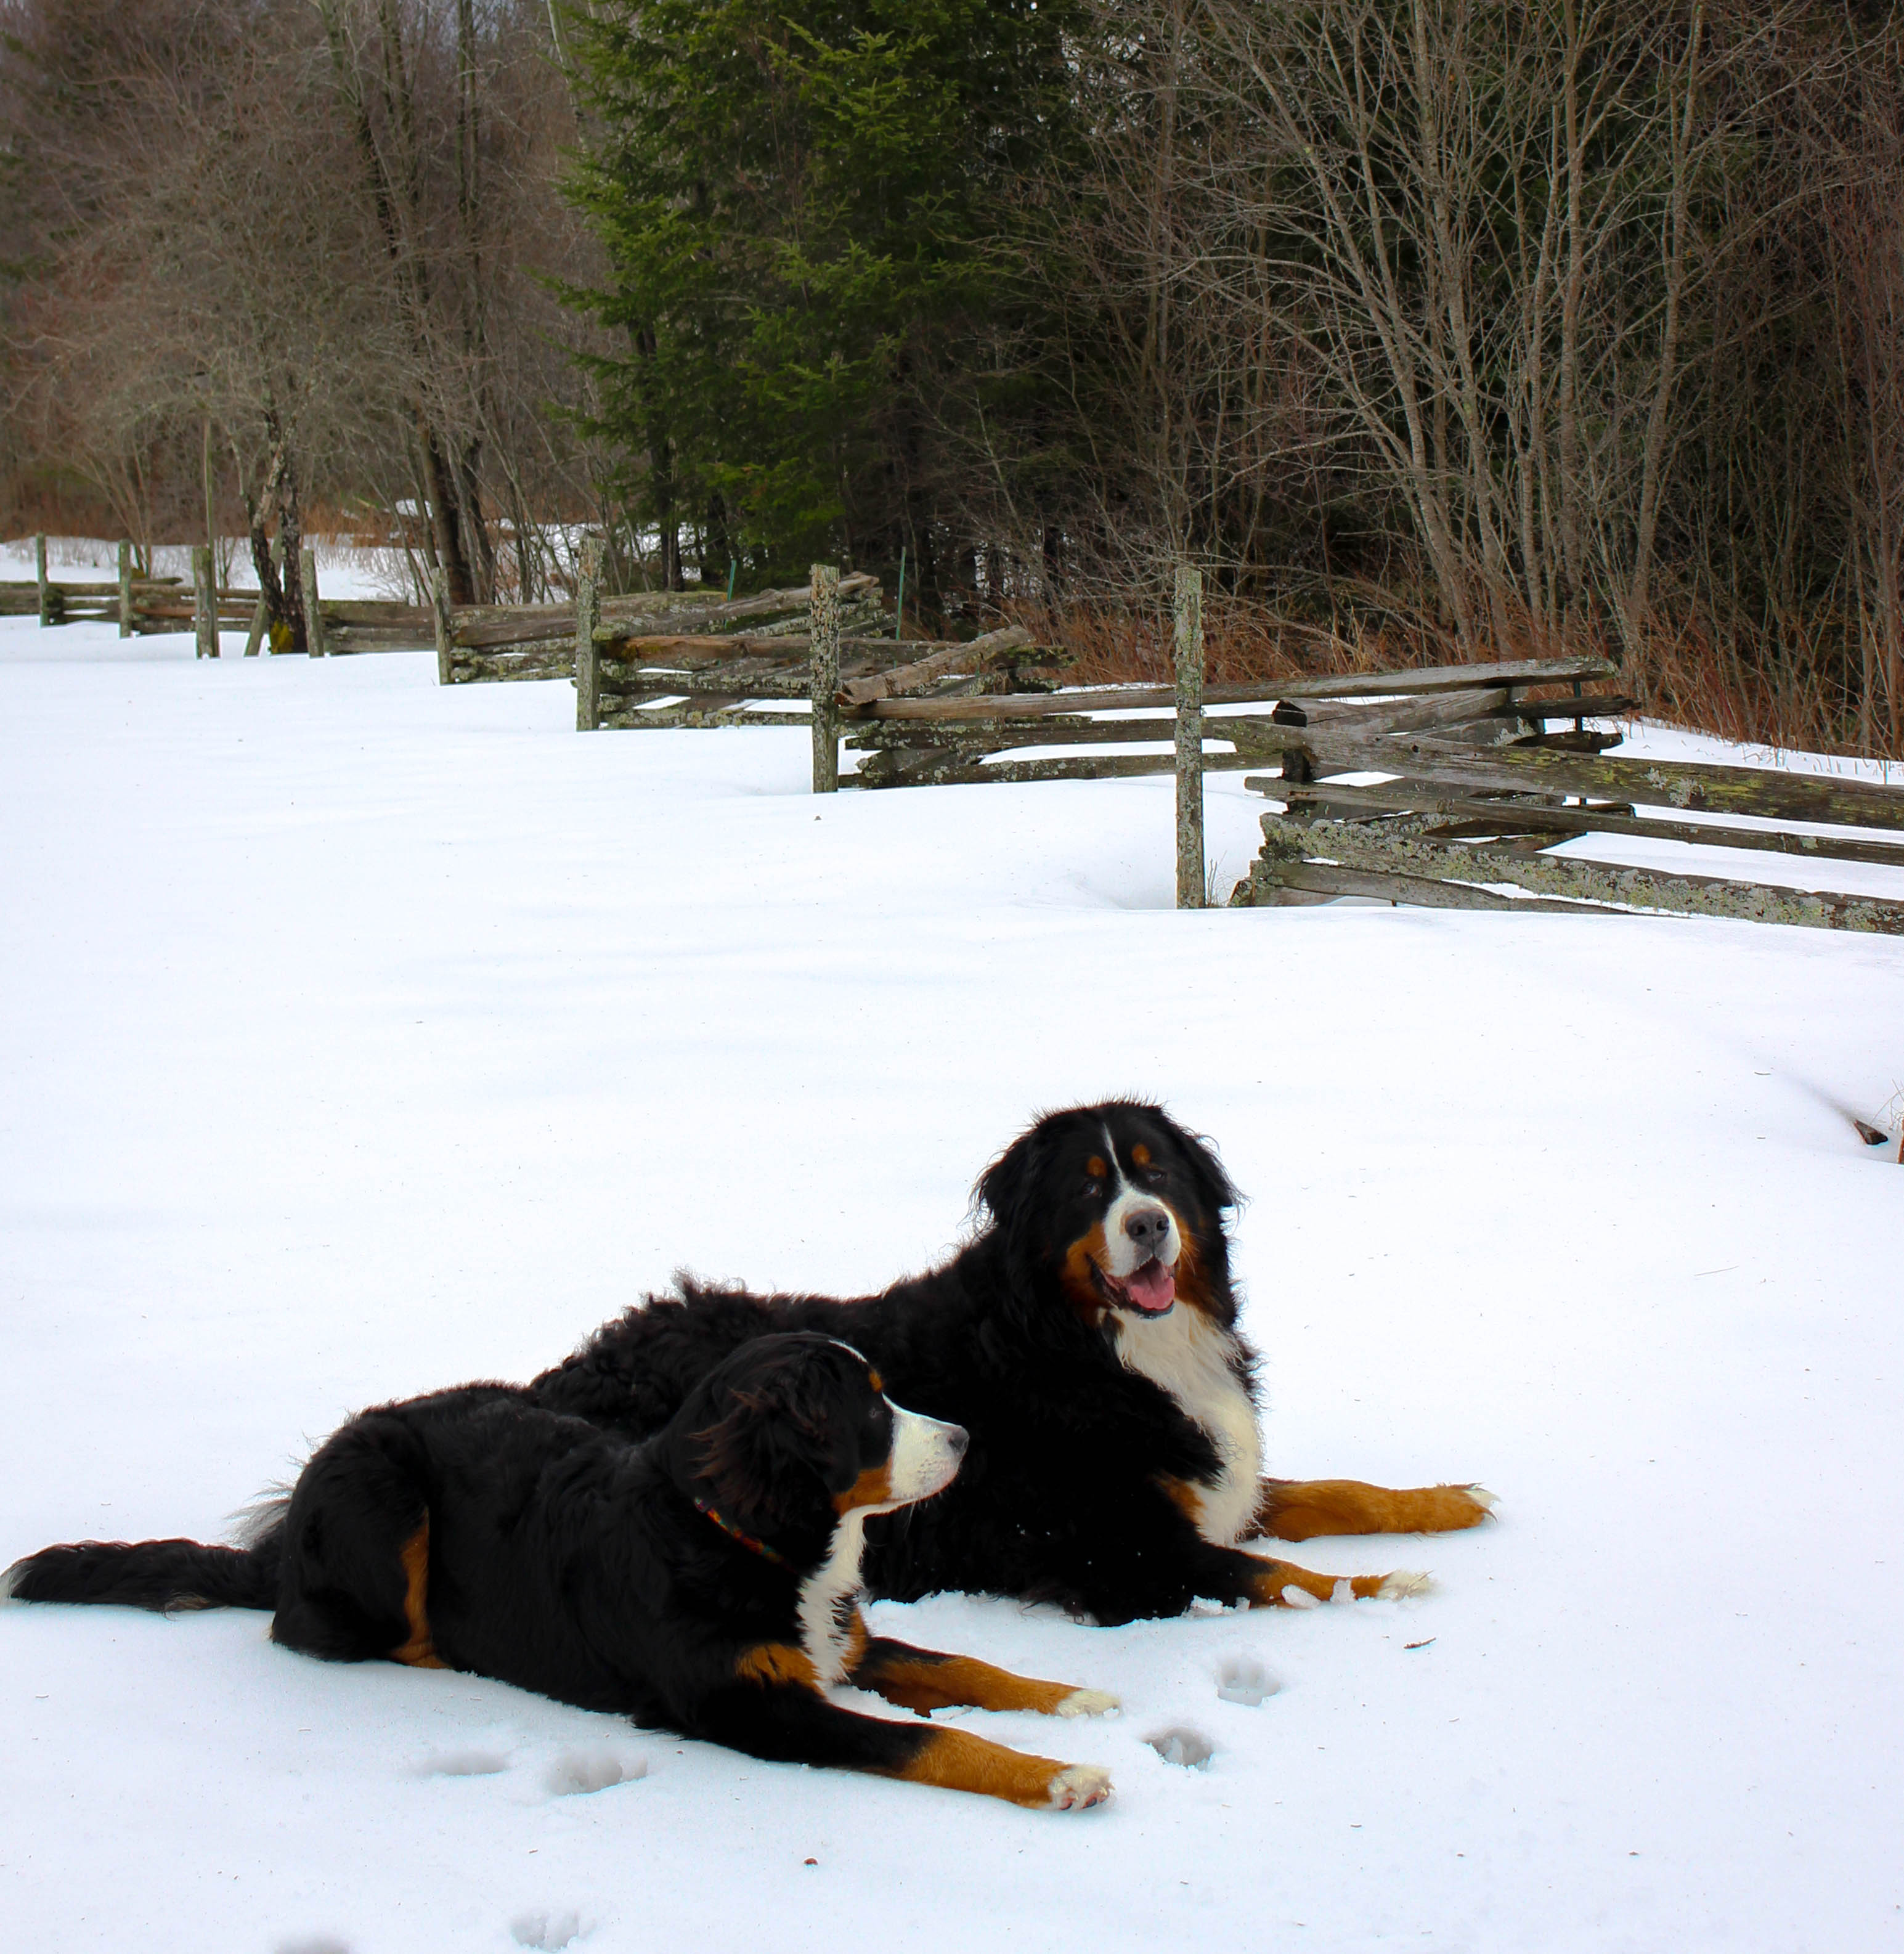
(1653, 466)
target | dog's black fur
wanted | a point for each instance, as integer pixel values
(1087, 1480)
(476, 1529)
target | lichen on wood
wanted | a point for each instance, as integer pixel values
(1403, 846)
(823, 630)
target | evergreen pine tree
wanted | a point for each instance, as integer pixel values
(800, 206)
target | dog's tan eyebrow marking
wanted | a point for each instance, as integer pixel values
(1140, 1155)
(1095, 1167)
(877, 1381)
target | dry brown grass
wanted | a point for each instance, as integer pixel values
(1784, 695)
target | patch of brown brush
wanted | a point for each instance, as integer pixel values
(1790, 695)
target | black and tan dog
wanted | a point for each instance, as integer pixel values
(707, 1581)
(1087, 1340)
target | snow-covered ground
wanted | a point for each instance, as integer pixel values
(343, 568)
(361, 1037)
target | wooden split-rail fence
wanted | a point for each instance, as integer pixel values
(1492, 766)
(144, 606)
(687, 634)
(135, 602)
(1484, 769)
(1470, 823)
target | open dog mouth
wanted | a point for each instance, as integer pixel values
(1151, 1290)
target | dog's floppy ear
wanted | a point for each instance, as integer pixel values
(1007, 1187)
(1213, 1182)
(741, 1460)
(765, 1456)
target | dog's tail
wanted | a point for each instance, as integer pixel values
(164, 1574)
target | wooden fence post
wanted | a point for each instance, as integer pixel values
(205, 601)
(125, 590)
(823, 622)
(588, 614)
(440, 622)
(313, 616)
(1189, 737)
(45, 591)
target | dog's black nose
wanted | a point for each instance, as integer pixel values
(1147, 1227)
(958, 1438)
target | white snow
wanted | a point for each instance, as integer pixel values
(359, 1036)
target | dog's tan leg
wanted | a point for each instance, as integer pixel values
(960, 1762)
(774, 1709)
(1281, 1584)
(922, 1679)
(419, 1651)
(1307, 1508)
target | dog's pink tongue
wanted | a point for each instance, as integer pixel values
(1152, 1288)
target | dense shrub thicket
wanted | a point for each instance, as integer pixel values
(1429, 327)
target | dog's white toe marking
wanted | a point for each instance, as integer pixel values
(1342, 1591)
(1484, 1499)
(1078, 1785)
(1403, 1582)
(1088, 1703)
(1293, 1596)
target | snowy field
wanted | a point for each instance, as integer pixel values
(360, 1037)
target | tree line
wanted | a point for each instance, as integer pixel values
(1428, 326)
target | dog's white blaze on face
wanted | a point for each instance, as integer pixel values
(926, 1457)
(1122, 1254)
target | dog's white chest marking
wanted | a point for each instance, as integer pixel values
(827, 1598)
(924, 1456)
(1189, 1356)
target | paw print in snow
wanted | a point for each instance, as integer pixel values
(462, 1764)
(576, 1773)
(1182, 1745)
(1242, 1678)
(547, 1931)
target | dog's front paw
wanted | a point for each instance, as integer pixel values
(1088, 1703)
(1398, 1586)
(1077, 1785)
(1452, 1509)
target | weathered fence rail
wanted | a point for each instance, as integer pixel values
(1491, 768)
(680, 634)
(474, 643)
(126, 600)
(1464, 822)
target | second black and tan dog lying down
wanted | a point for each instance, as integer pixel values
(707, 1581)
